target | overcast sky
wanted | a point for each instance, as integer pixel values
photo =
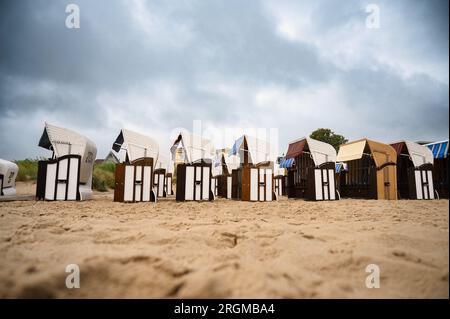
(155, 66)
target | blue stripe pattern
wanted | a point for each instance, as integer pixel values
(439, 150)
(286, 163)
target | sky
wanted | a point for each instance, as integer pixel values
(275, 68)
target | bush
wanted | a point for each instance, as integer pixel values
(99, 184)
(106, 166)
(27, 169)
(328, 136)
(103, 177)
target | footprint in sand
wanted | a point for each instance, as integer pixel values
(223, 240)
(411, 258)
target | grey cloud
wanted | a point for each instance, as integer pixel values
(395, 107)
(50, 72)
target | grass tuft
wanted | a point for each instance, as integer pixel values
(27, 170)
(103, 176)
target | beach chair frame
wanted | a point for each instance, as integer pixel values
(168, 186)
(59, 179)
(134, 181)
(252, 183)
(159, 182)
(371, 171)
(194, 182)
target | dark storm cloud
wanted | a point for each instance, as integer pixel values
(157, 65)
(411, 105)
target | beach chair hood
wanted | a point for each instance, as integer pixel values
(258, 150)
(225, 163)
(9, 171)
(195, 148)
(136, 145)
(419, 154)
(321, 152)
(380, 152)
(63, 141)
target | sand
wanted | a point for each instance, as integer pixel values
(224, 249)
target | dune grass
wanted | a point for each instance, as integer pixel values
(27, 169)
(103, 176)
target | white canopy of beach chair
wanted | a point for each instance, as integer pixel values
(419, 154)
(8, 174)
(258, 150)
(321, 152)
(194, 146)
(136, 145)
(63, 141)
(232, 162)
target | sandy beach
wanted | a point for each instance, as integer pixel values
(229, 249)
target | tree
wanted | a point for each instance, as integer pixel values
(328, 136)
